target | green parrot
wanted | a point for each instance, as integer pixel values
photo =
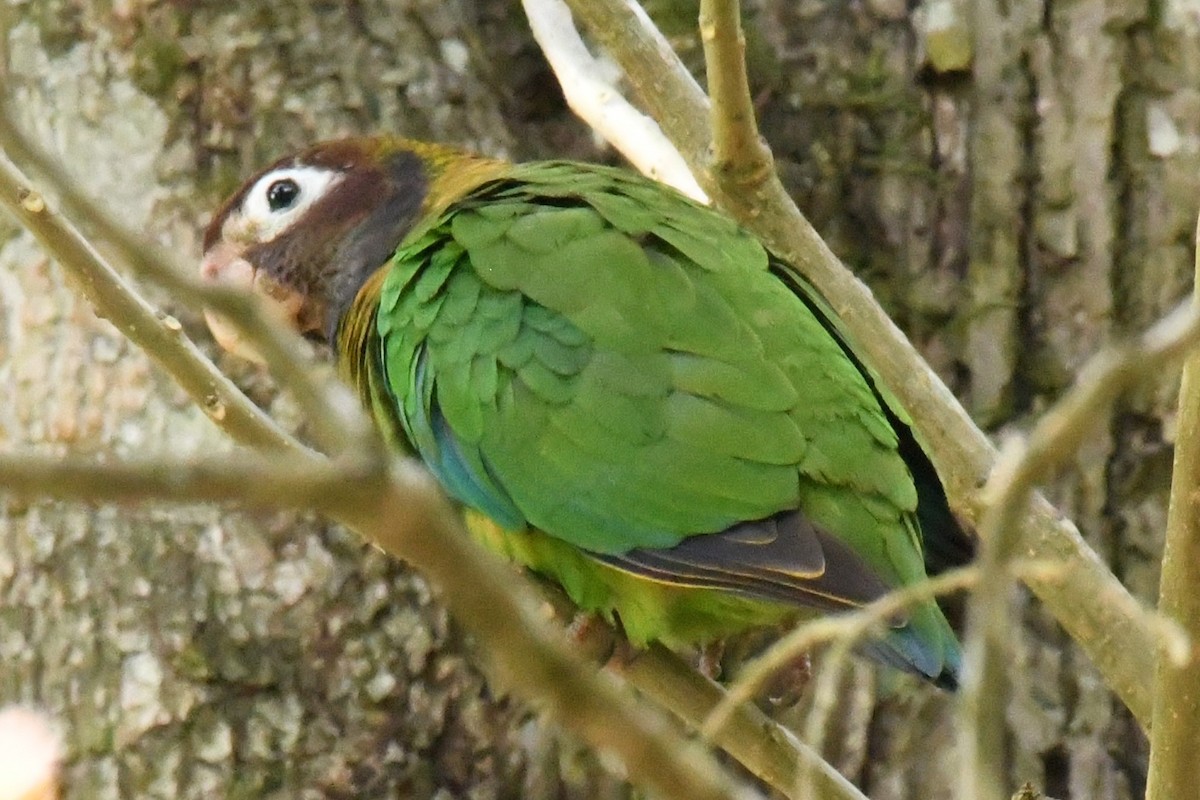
(628, 393)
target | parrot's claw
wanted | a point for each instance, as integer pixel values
(788, 684)
(584, 627)
(710, 659)
(588, 630)
(591, 634)
(623, 654)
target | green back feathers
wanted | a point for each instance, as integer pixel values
(577, 349)
(601, 345)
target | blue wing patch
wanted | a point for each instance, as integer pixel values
(462, 472)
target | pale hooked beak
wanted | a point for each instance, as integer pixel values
(224, 264)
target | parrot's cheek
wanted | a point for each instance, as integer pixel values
(281, 304)
(223, 265)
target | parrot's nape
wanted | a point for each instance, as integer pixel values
(627, 391)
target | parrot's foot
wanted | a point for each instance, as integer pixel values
(583, 626)
(623, 654)
(787, 685)
(710, 659)
(592, 635)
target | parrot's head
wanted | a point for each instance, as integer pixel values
(307, 231)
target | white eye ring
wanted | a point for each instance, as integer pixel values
(310, 185)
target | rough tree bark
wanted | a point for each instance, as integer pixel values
(1015, 217)
(197, 653)
(1014, 214)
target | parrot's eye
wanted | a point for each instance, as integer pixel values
(282, 194)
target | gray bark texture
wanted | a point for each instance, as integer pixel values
(1017, 180)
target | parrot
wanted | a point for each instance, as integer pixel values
(626, 392)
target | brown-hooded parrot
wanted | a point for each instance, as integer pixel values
(627, 391)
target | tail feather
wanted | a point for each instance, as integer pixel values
(935, 656)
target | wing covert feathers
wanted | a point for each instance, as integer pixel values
(581, 351)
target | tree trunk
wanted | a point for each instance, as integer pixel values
(1014, 212)
(1015, 217)
(201, 653)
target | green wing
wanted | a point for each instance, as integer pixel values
(582, 351)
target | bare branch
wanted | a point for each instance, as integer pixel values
(338, 422)
(852, 627)
(844, 631)
(1175, 738)
(763, 746)
(156, 333)
(661, 81)
(598, 103)
(407, 516)
(740, 158)
(963, 454)
(760, 744)
(245, 479)
(411, 522)
(1057, 434)
(825, 698)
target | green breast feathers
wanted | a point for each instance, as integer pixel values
(631, 394)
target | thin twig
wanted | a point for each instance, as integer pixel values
(1175, 737)
(1057, 434)
(407, 516)
(741, 160)
(667, 90)
(845, 632)
(247, 479)
(962, 452)
(764, 747)
(825, 699)
(156, 333)
(336, 417)
(337, 421)
(984, 693)
(852, 627)
(598, 103)
(530, 658)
